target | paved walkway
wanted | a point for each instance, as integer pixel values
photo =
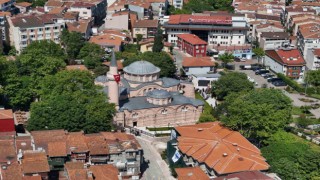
(156, 169)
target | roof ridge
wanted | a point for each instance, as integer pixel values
(227, 163)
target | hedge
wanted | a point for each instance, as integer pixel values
(291, 83)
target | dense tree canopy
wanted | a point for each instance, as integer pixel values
(313, 78)
(291, 157)
(159, 59)
(72, 42)
(231, 82)
(158, 41)
(92, 55)
(257, 114)
(198, 6)
(71, 101)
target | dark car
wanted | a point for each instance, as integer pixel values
(274, 79)
(279, 83)
(268, 76)
(262, 72)
(236, 59)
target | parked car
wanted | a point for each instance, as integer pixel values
(274, 79)
(279, 83)
(269, 76)
(259, 72)
(245, 67)
(265, 74)
(236, 59)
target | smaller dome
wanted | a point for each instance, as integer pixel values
(159, 94)
(141, 68)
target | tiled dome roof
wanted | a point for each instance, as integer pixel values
(159, 94)
(141, 68)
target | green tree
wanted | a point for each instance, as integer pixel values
(159, 59)
(257, 114)
(72, 42)
(138, 38)
(259, 52)
(313, 77)
(71, 101)
(226, 58)
(231, 82)
(12, 51)
(92, 55)
(158, 41)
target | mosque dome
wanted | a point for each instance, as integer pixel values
(159, 94)
(141, 68)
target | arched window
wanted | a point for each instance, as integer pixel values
(135, 115)
(164, 111)
(184, 109)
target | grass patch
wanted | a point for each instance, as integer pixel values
(296, 110)
(160, 129)
(316, 96)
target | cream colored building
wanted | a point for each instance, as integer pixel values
(146, 100)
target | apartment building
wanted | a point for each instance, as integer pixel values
(192, 44)
(308, 37)
(4, 28)
(28, 28)
(178, 4)
(147, 28)
(216, 29)
(274, 40)
(313, 59)
(289, 62)
(293, 10)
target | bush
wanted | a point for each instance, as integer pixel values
(291, 83)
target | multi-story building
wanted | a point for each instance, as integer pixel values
(6, 121)
(25, 29)
(192, 44)
(23, 6)
(308, 37)
(313, 59)
(217, 150)
(7, 5)
(178, 4)
(289, 62)
(197, 65)
(215, 29)
(274, 40)
(147, 28)
(293, 10)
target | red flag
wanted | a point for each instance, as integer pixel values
(116, 78)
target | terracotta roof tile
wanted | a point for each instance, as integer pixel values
(6, 114)
(76, 171)
(43, 138)
(57, 149)
(145, 24)
(192, 39)
(106, 39)
(13, 172)
(316, 52)
(288, 57)
(104, 172)
(76, 142)
(197, 62)
(203, 19)
(7, 149)
(191, 173)
(23, 4)
(311, 30)
(245, 176)
(97, 144)
(37, 177)
(77, 67)
(220, 148)
(35, 162)
(24, 143)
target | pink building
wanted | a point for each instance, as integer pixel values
(144, 99)
(192, 44)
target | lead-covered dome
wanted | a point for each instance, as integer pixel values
(159, 94)
(141, 68)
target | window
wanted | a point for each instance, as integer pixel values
(32, 36)
(84, 12)
(47, 28)
(184, 109)
(197, 46)
(240, 31)
(137, 29)
(40, 29)
(186, 69)
(239, 37)
(23, 37)
(164, 111)
(135, 115)
(56, 27)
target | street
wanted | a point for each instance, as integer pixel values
(156, 168)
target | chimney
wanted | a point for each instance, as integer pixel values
(200, 129)
(225, 154)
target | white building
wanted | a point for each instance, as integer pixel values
(25, 29)
(204, 81)
(178, 4)
(197, 65)
(308, 37)
(274, 40)
(216, 29)
(7, 5)
(313, 59)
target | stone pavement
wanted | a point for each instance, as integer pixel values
(156, 169)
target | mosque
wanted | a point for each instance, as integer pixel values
(143, 99)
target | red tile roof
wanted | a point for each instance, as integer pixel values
(77, 67)
(6, 114)
(119, 64)
(57, 149)
(35, 162)
(192, 39)
(287, 57)
(220, 148)
(104, 172)
(12, 172)
(197, 62)
(7, 148)
(191, 173)
(316, 52)
(23, 4)
(145, 24)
